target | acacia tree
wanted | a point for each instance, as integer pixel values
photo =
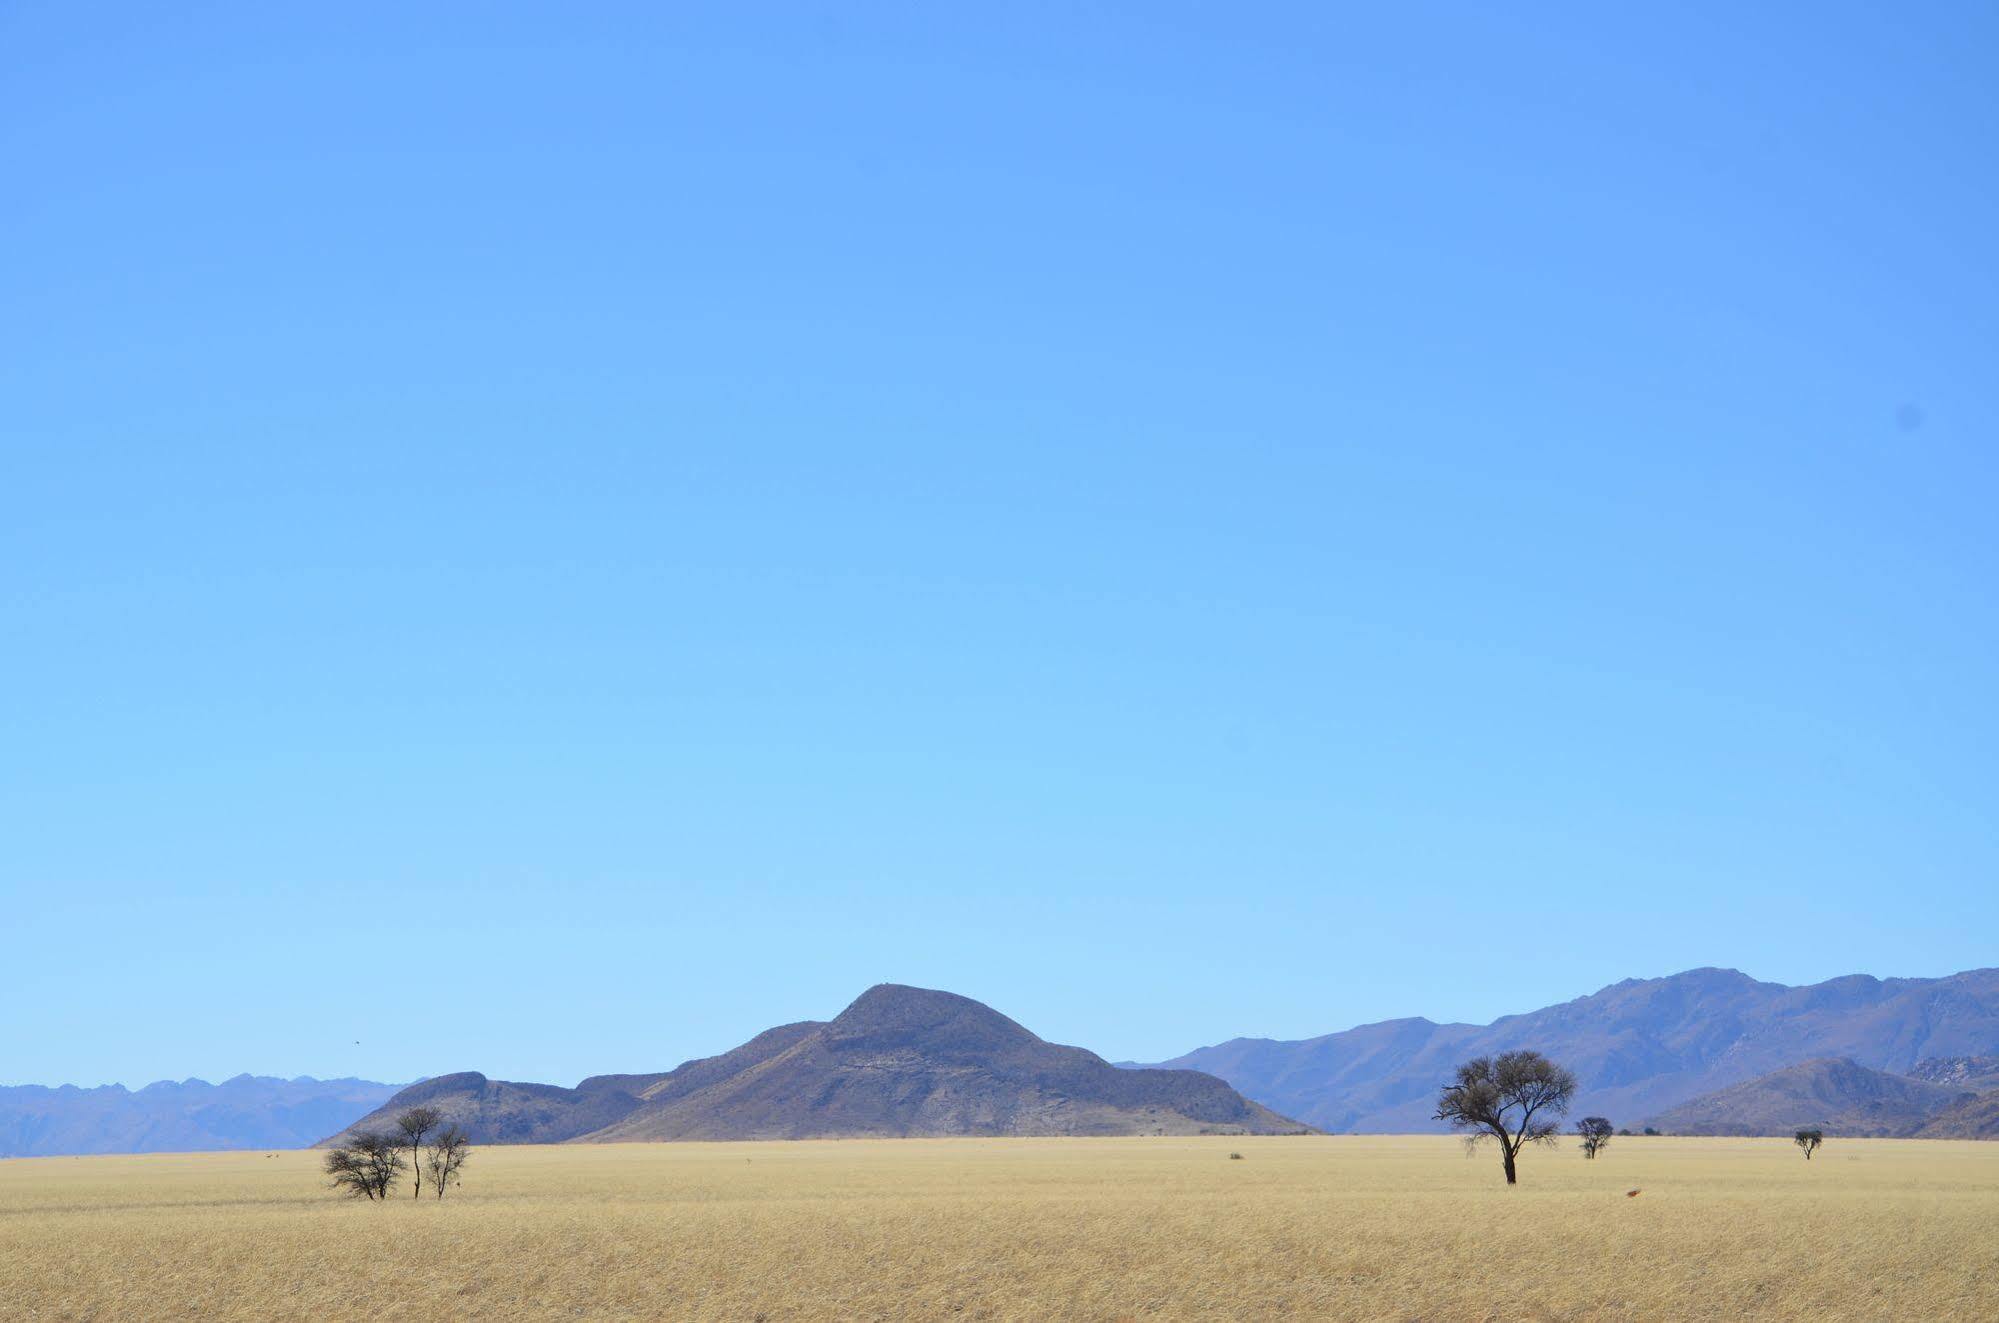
(1595, 1132)
(1809, 1140)
(415, 1124)
(448, 1150)
(1515, 1098)
(366, 1165)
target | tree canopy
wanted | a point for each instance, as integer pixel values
(1516, 1098)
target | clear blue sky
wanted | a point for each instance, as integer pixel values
(548, 539)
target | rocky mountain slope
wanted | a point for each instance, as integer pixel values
(1640, 1047)
(1836, 1094)
(1974, 1073)
(249, 1111)
(898, 1061)
(1972, 1116)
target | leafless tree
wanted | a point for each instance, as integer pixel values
(366, 1165)
(1809, 1140)
(414, 1125)
(1515, 1098)
(447, 1152)
(1595, 1132)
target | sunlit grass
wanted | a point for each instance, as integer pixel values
(1336, 1227)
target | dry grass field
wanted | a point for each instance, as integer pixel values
(1318, 1228)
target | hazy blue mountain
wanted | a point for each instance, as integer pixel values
(249, 1111)
(1640, 1047)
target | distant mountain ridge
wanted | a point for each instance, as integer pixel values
(1639, 1047)
(1863, 1055)
(899, 1061)
(186, 1116)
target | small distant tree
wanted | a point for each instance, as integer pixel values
(447, 1152)
(1808, 1140)
(414, 1125)
(366, 1165)
(1516, 1098)
(1595, 1132)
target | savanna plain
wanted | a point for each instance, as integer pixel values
(1336, 1227)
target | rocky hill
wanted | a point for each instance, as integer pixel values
(1836, 1094)
(186, 1116)
(1974, 1073)
(1640, 1047)
(1972, 1116)
(506, 1112)
(898, 1061)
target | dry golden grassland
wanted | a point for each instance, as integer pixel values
(1335, 1228)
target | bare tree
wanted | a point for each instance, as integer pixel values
(448, 1150)
(415, 1124)
(1595, 1132)
(1515, 1099)
(1809, 1140)
(366, 1165)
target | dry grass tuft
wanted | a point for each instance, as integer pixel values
(1319, 1228)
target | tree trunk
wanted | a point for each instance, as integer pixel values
(1506, 1155)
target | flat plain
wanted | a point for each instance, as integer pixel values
(1335, 1227)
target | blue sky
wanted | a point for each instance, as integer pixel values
(548, 540)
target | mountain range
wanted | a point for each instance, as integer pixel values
(1709, 1051)
(249, 1111)
(899, 1061)
(1640, 1047)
